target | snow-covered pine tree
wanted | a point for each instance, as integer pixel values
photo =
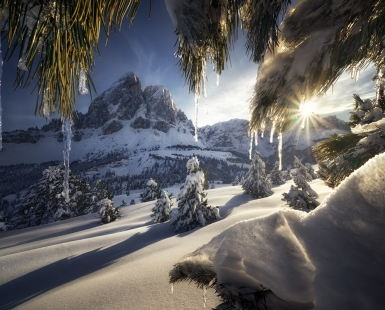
(256, 183)
(46, 203)
(100, 192)
(277, 176)
(301, 169)
(108, 213)
(236, 181)
(302, 195)
(288, 175)
(162, 209)
(310, 170)
(340, 155)
(103, 203)
(193, 210)
(151, 191)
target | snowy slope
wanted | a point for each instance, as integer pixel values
(331, 258)
(80, 264)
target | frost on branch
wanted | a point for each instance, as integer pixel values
(340, 155)
(193, 210)
(317, 43)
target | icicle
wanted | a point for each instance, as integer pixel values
(263, 129)
(204, 80)
(272, 132)
(172, 288)
(83, 90)
(21, 64)
(251, 146)
(357, 75)
(1, 109)
(256, 137)
(196, 97)
(280, 150)
(217, 79)
(46, 103)
(204, 297)
(204, 85)
(67, 135)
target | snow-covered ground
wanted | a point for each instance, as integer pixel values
(81, 264)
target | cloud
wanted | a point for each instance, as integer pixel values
(339, 99)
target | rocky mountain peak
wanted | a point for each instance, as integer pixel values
(151, 108)
(121, 101)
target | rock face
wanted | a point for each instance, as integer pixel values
(151, 108)
(112, 127)
(122, 100)
(226, 135)
(140, 123)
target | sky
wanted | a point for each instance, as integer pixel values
(147, 48)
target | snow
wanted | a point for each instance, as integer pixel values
(332, 257)
(78, 262)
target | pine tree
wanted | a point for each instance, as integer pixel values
(236, 181)
(288, 175)
(301, 195)
(151, 191)
(46, 202)
(256, 183)
(340, 155)
(277, 176)
(193, 210)
(162, 209)
(310, 170)
(108, 213)
(301, 169)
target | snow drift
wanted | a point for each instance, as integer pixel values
(330, 258)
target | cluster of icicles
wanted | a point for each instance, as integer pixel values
(254, 138)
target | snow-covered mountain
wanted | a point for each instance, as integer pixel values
(233, 135)
(130, 130)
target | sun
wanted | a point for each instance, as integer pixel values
(307, 109)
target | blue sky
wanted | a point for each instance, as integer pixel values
(147, 48)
